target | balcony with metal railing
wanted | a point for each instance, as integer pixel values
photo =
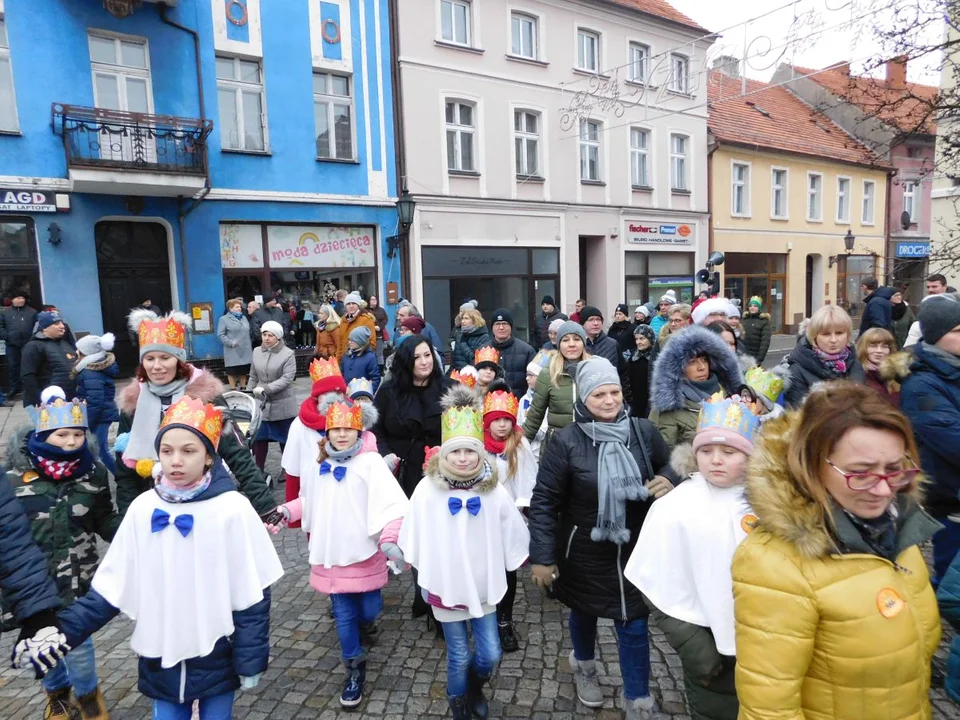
(118, 152)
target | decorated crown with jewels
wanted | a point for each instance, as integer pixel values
(461, 422)
(345, 414)
(167, 334)
(196, 415)
(360, 386)
(467, 376)
(501, 401)
(764, 383)
(486, 355)
(728, 414)
(322, 368)
(57, 414)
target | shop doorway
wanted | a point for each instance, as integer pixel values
(754, 274)
(133, 265)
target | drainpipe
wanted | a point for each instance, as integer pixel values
(164, 9)
(887, 206)
(399, 146)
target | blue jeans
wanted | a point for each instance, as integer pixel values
(106, 457)
(218, 707)
(946, 544)
(486, 640)
(78, 669)
(350, 611)
(634, 644)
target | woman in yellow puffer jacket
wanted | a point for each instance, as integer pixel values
(835, 616)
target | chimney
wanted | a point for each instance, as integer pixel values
(728, 65)
(897, 72)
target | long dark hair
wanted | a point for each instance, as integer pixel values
(722, 326)
(402, 378)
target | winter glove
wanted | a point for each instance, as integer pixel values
(258, 392)
(249, 683)
(40, 645)
(392, 461)
(659, 486)
(394, 554)
(120, 444)
(276, 520)
(544, 575)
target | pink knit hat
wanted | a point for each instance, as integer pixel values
(726, 422)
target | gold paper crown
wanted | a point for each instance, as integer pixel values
(501, 401)
(323, 368)
(163, 331)
(197, 415)
(764, 383)
(461, 422)
(467, 377)
(57, 414)
(345, 415)
(486, 354)
(729, 414)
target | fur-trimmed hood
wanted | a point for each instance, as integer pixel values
(99, 366)
(203, 386)
(667, 392)
(760, 315)
(368, 410)
(896, 366)
(17, 459)
(482, 487)
(783, 509)
(683, 460)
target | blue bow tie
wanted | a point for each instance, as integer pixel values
(456, 505)
(160, 520)
(339, 472)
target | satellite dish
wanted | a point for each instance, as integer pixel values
(905, 220)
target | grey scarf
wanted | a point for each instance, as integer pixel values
(88, 359)
(948, 358)
(698, 391)
(618, 476)
(343, 455)
(147, 417)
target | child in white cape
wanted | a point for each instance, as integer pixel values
(683, 556)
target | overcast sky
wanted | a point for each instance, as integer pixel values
(814, 49)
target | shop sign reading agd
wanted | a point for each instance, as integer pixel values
(290, 246)
(655, 232)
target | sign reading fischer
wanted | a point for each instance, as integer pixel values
(27, 201)
(659, 233)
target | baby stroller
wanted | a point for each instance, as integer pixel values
(245, 412)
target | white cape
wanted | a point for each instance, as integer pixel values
(683, 555)
(463, 558)
(182, 591)
(344, 518)
(520, 485)
(301, 450)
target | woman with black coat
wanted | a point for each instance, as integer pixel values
(638, 362)
(592, 494)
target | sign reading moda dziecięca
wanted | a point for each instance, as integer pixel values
(297, 246)
(654, 232)
(27, 201)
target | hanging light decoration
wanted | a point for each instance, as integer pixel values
(121, 8)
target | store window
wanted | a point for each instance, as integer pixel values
(19, 268)
(514, 278)
(852, 270)
(650, 274)
(306, 263)
(746, 275)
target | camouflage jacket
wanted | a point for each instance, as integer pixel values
(65, 516)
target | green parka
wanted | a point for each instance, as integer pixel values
(557, 399)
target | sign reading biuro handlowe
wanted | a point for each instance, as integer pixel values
(296, 246)
(27, 201)
(658, 232)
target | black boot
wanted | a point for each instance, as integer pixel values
(509, 637)
(459, 707)
(352, 694)
(475, 697)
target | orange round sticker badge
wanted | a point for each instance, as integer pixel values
(748, 523)
(890, 603)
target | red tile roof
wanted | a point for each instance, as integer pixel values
(773, 118)
(909, 109)
(661, 9)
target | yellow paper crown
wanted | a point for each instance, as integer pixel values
(344, 414)
(501, 401)
(163, 331)
(467, 377)
(323, 368)
(461, 422)
(729, 414)
(196, 415)
(57, 414)
(486, 354)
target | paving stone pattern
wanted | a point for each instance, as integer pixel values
(407, 666)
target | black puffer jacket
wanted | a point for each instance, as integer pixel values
(756, 335)
(466, 343)
(47, 362)
(16, 325)
(541, 333)
(515, 355)
(563, 511)
(806, 370)
(622, 332)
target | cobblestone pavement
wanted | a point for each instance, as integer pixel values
(406, 669)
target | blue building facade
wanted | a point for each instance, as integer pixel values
(131, 168)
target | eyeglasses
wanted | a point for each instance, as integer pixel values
(865, 480)
(675, 321)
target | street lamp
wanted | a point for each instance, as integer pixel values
(405, 209)
(848, 240)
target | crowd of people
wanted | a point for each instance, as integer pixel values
(768, 520)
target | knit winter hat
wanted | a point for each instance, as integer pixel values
(569, 327)
(594, 373)
(353, 298)
(91, 345)
(622, 307)
(642, 310)
(588, 312)
(670, 296)
(534, 368)
(548, 300)
(646, 331)
(939, 314)
(556, 325)
(413, 324)
(469, 305)
(360, 335)
(755, 300)
(501, 315)
(274, 328)
(47, 318)
(726, 422)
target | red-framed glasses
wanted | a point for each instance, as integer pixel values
(867, 480)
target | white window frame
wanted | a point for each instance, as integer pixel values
(587, 145)
(525, 137)
(843, 198)
(583, 33)
(872, 198)
(818, 193)
(534, 20)
(455, 164)
(643, 63)
(743, 186)
(468, 30)
(911, 197)
(332, 99)
(784, 191)
(679, 84)
(640, 159)
(679, 164)
(239, 87)
(5, 56)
